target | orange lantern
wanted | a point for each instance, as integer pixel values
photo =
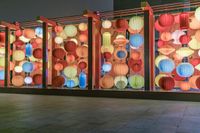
(58, 28)
(58, 67)
(82, 51)
(70, 58)
(192, 81)
(83, 38)
(18, 81)
(185, 86)
(107, 82)
(166, 36)
(197, 35)
(120, 69)
(29, 33)
(135, 55)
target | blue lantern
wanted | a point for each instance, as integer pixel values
(27, 67)
(2, 74)
(136, 40)
(121, 54)
(28, 50)
(107, 66)
(39, 32)
(166, 65)
(185, 70)
(70, 83)
(82, 80)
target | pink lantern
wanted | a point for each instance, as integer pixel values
(185, 39)
(166, 20)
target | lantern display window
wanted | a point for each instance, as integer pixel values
(2, 58)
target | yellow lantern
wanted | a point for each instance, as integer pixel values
(194, 44)
(159, 58)
(62, 34)
(158, 77)
(194, 23)
(18, 69)
(106, 24)
(12, 38)
(106, 38)
(184, 52)
(136, 23)
(107, 48)
(70, 71)
(82, 26)
(2, 52)
(70, 30)
(2, 61)
(197, 14)
(18, 55)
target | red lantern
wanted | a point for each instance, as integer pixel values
(18, 33)
(37, 79)
(133, 62)
(184, 20)
(58, 67)
(121, 25)
(37, 53)
(166, 20)
(82, 65)
(185, 39)
(70, 58)
(160, 43)
(136, 68)
(18, 43)
(198, 82)
(107, 55)
(63, 62)
(135, 55)
(58, 29)
(176, 76)
(2, 37)
(160, 28)
(59, 53)
(195, 61)
(167, 83)
(70, 46)
(58, 81)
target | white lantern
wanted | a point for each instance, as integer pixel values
(106, 24)
(18, 69)
(58, 40)
(197, 14)
(28, 80)
(194, 44)
(70, 30)
(24, 39)
(82, 26)
(176, 35)
(74, 40)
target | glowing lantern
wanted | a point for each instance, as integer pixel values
(82, 51)
(107, 66)
(136, 81)
(197, 35)
(19, 43)
(166, 65)
(121, 40)
(195, 61)
(70, 30)
(58, 67)
(58, 40)
(120, 82)
(2, 61)
(39, 31)
(166, 20)
(18, 69)
(106, 38)
(37, 53)
(120, 53)
(158, 77)
(70, 46)
(70, 58)
(185, 70)
(120, 69)
(184, 39)
(176, 36)
(107, 48)
(82, 80)
(193, 80)
(136, 65)
(58, 28)
(106, 24)
(107, 55)
(122, 25)
(166, 36)
(37, 79)
(82, 64)
(160, 28)
(166, 49)
(29, 33)
(18, 55)
(28, 80)
(184, 51)
(62, 34)
(28, 50)
(194, 44)
(18, 80)
(194, 23)
(166, 83)
(136, 40)
(135, 55)
(2, 51)
(58, 81)
(59, 53)
(184, 20)
(27, 67)
(159, 58)
(107, 82)
(82, 26)
(185, 86)
(197, 14)
(18, 33)
(2, 76)
(83, 38)
(136, 23)
(24, 39)
(70, 71)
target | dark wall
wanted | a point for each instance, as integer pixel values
(23, 10)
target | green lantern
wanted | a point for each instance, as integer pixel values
(120, 82)
(136, 81)
(70, 71)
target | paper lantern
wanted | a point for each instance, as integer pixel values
(185, 70)
(120, 82)
(121, 41)
(62, 34)
(194, 61)
(184, 51)
(58, 40)
(184, 85)
(106, 24)
(12, 38)
(2, 61)
(37, 53)
(160, 43)
(58, 28)
(59, 53)
(39, 31)
(58, 81)
(166, 49)
(107, 66)
(184, 20)
(193, 80)
(28, 80)
(27, 67)
(70, 83)
(70, 30)
(176, 36)
(18, 55)
(18, 43)
(197, 35)
(166, 36)
(74, 40)
(106, 38)
(24, 39)
(2, 74)
(136, 67)
(107, 82)
(166, 20)
(160, 28)
(122, 25)
(82, 51)
(37, 79)
(18, 69)
(197, 14)
(176, 76)
(194, 23)
(18, 33)
(82, 26)
(70, 71)
(136, 40)
(83, 38)
(136, 81)
(135, 55)
(120, 53)
(120, 69)
(184, 39)
(63, 62)
(107, 55)
(107, 48)
(198, 82)
(70, 58)
(82, 80)
(167, 83)
(58, 67)
(70, 46)
(28, 49)
(17, 81)
(166, 65)
(158, 77)
(159, 58)
(194, 44)
(29, 33)
(136, 23)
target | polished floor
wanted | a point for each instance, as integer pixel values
(62, 114)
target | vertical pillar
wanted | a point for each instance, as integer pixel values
(54, 72)
(7, 58)
(90, 51)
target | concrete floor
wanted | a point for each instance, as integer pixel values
(62, 114)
